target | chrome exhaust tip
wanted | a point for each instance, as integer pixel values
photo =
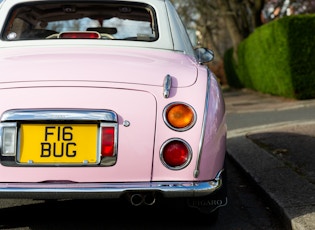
(149, 199)
(136, 199)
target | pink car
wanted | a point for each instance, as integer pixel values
(108, 99)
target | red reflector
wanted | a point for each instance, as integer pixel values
(83, 34)
(175, 154)
(108, 141)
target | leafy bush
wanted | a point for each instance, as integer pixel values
(278, 58)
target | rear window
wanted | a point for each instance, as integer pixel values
(103, 20)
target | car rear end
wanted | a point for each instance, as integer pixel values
(81, 118)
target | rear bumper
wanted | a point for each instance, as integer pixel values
(58, 190)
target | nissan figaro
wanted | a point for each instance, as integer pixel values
(108, 99)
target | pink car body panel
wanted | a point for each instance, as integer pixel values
(99, 64)
(137, 98)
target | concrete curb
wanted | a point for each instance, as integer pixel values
(292, 195)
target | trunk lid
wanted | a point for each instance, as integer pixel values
(97, 64)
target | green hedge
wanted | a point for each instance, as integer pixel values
(278, 58)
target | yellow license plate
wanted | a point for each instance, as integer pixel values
(58, 143)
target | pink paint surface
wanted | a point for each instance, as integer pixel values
(128, 82)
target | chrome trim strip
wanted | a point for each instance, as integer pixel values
(59, 114)
(167, 84)
(204, 121)
(107, 190)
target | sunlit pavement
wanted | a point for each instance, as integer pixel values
(273, 140)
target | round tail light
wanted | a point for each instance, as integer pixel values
(179, 116)
(175, 154)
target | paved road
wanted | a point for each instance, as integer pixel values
(272, 140)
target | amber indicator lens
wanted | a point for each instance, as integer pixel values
(180, 116)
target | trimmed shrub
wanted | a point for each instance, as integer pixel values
(278, 58)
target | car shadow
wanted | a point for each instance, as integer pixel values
(95, 214)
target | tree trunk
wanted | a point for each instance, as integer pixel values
(231, 24)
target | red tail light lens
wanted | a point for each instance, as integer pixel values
(108, 141)
(176, 154)
(80, 35)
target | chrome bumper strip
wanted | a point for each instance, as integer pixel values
(106, 190)
(59, 114)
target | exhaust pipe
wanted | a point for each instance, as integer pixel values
(136, 199)
(149, 199)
